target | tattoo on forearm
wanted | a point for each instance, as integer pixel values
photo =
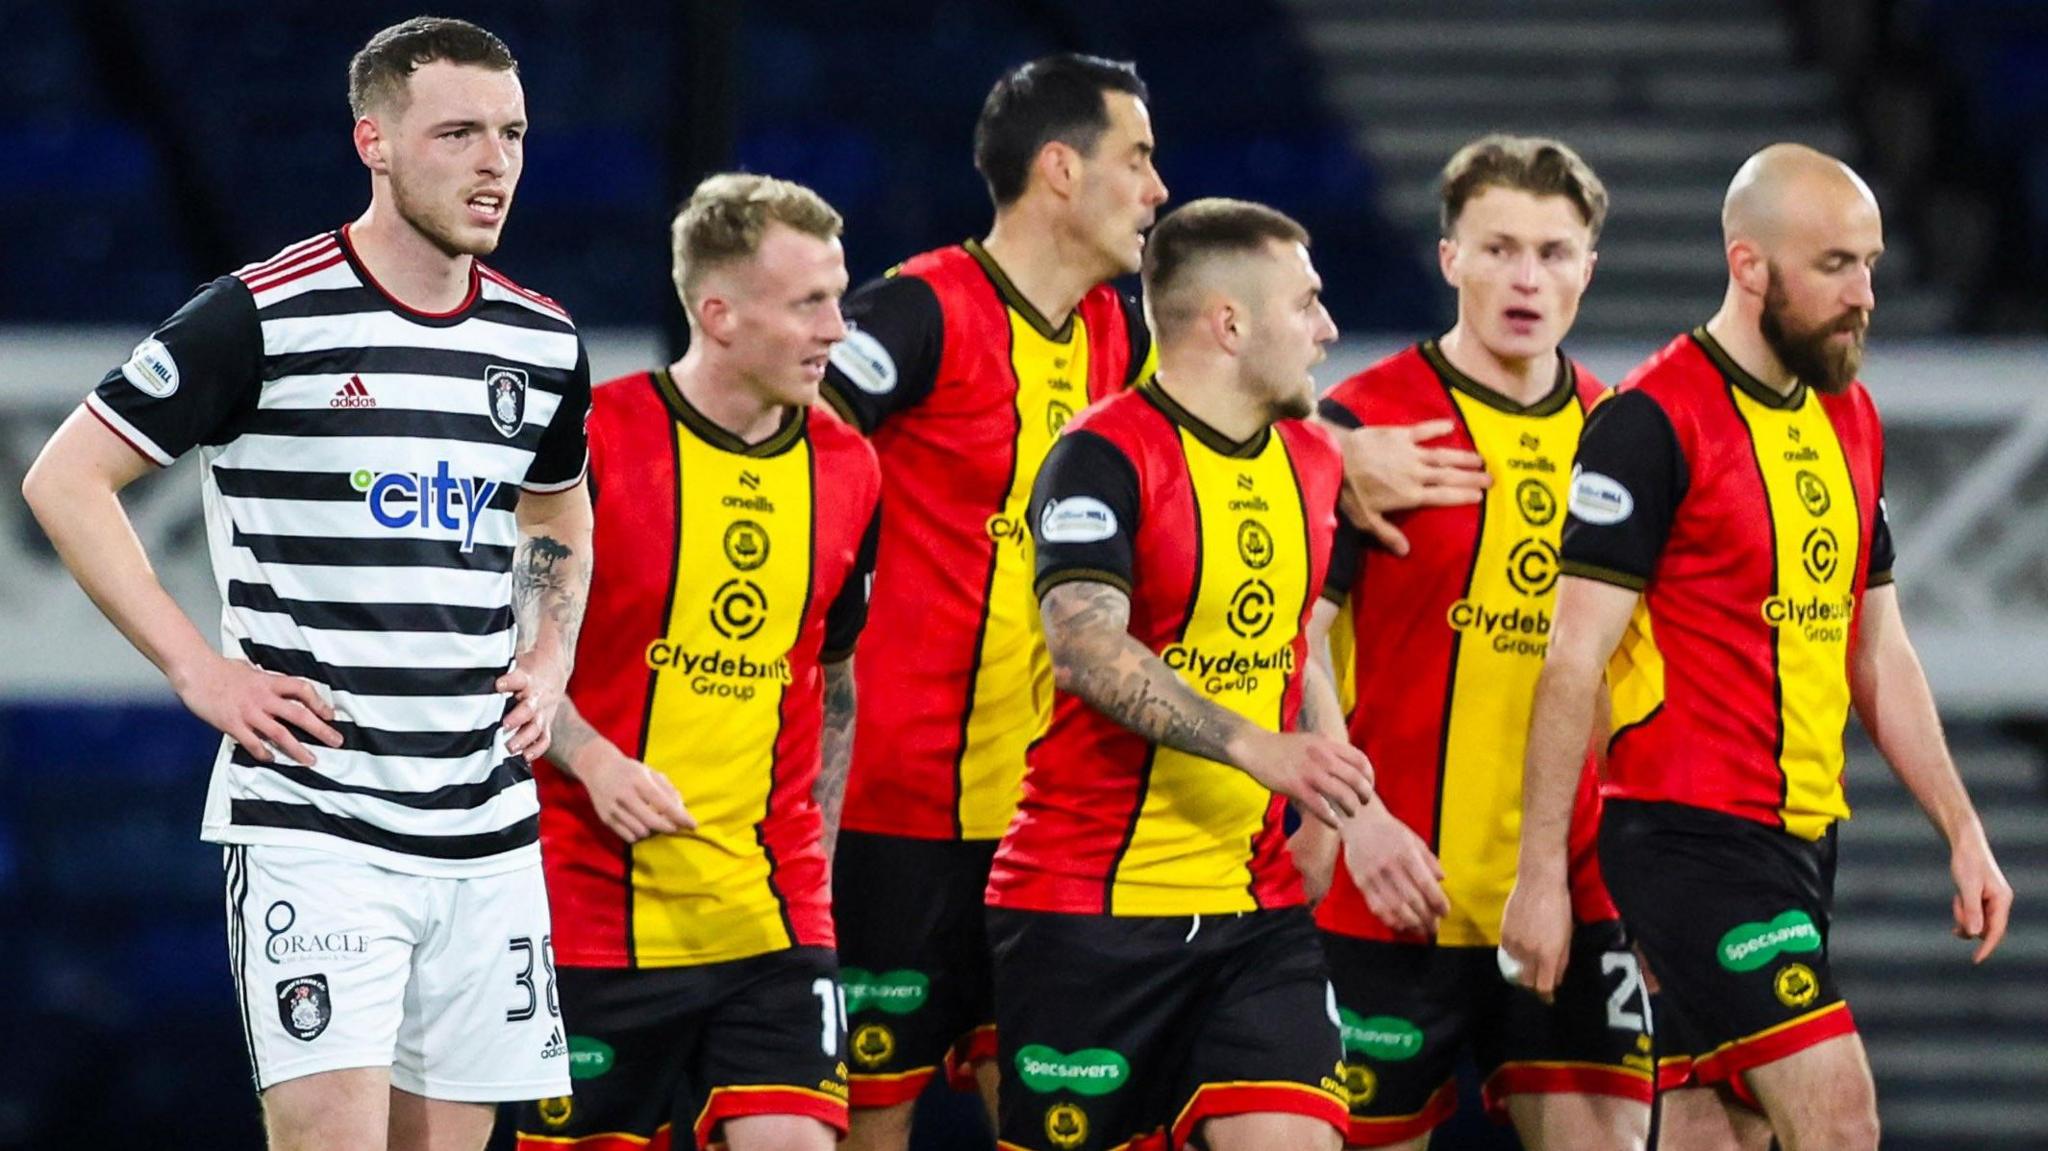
(550, 582)
(1098, 659)
(836, 755)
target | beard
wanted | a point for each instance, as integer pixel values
(445, 234)
(1810, 353)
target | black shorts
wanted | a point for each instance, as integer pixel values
(913, 954)
(1733, 918)
(1409, 1011)
(686, 1048)
(1122, 1029)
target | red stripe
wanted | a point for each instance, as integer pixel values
(1729, 1062)
(299, 274)
(605, 1141)
(977, 1046)
(729, 1103)
(1373, 1132)
(1220, 1100)
(265, 267)
(123, 436)
(888, 1090)
(280, 267)
(1536, 1079)
(498, 278)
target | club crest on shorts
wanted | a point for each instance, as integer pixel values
(505, 397)
(303, 1006)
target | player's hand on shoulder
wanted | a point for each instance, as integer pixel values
(1389, 469)
(632, 799)
(1395, 871)
(1326, 778)
(536, 683)
(1983, 899)
(263, 711)
(1536, 932)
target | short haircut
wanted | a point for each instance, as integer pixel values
(1198, 232)
(1057, 97)
(1537, 165)
(725, 218)
(378, 73)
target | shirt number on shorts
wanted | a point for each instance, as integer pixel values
(832, 1014)
(1628, 989)
(525, 948)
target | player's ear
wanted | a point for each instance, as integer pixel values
(1059, 166)
(1446, 255)
(1749, 267)
(369, 139)
(1586, 278)
(715, 317)
(1226, 323)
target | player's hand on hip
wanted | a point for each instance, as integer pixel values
(1388, 469)
(632, 799)
(536, 683)
(258, 709)
(1983, 900)
(1325, 778)
(1536, 933)
(1394, 870)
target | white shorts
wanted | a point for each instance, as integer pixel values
(448, 982)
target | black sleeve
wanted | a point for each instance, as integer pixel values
(1627, 482)
(1142, 364)
(889, 360)
(1882, 555)
(1336, 413)
(1084, 513)
(564, 452)
(849, 611)
(1345, 556)
(191, 379)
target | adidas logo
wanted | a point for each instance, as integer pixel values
(354, 394)
(554, 1048)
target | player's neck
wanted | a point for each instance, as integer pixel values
(1211, 394)
(1043, 268)
(1742, 338)
(1523, 381)
(409, 267)
(723, 398)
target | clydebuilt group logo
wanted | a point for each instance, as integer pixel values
(1517, 631)
(1821, 619)
(1217, 672)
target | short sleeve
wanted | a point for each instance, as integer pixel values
(1084, 513)
(1882, 554)
(1627, 482)
(889, 361)
(193, 377)
(849, 611)
(564, 452)
(1144, 354)
(1345, 552)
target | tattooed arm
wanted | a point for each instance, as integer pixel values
(1314, 846)
(837, 753)
(550, 585)
(632, 799)
(1095, 657)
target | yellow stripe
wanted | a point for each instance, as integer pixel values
(1190, 853)
(1767, 1032)
(1503, 621)
(1262, 1084)
(742, 581)
(1569, 1064)
(1819, 546)
(1012, 701)
(570, 1140)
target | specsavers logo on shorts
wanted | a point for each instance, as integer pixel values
(1750, 946)
(426, 502)
(588, 1057)
(1387, 1038)
(1090, 1071)
(892, 992)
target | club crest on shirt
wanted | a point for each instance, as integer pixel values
(303, 1006)
(505, 398)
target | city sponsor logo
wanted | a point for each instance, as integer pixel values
(426, 501)
(589, 1057)
(1076, 520)
(1090, 1071)
(1599, 500)
(1819, 619)
(1516, 631)
(1232, 670)
(1387, 1038)
(862, 359)
(1750, 946)
(285, 944)
(152, 369)
(899, 992)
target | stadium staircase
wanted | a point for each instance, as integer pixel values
(1664, 97)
